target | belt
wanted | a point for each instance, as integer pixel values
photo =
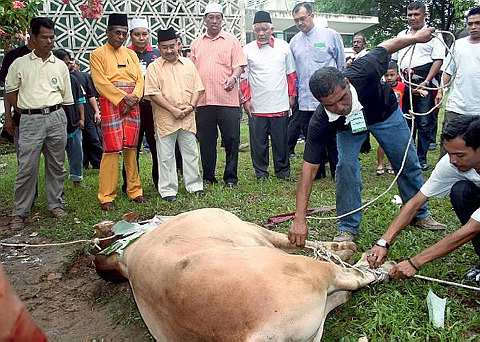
(43, 111)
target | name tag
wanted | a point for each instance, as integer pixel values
(319, 45)
(143, 67)
(357, 122)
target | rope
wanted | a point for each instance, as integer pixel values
(94, 242)
(320, 252)
(410, 117)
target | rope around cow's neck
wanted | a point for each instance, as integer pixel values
(320, 252)
(411, 117)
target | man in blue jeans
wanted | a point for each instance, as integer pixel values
(355, 102)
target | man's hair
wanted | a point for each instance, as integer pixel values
(325, 80)
(308, 7)
(61, 54)
(393, 65)
(38, 22)
(417, 5)
(473, 11)
(360, 35)
(466, 127)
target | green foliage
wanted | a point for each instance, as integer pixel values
(15, 19)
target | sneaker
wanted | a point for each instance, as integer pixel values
(344, 237)
(428, 223)
(17, 222)
(58, 212)
(243, 147)
(473, 274)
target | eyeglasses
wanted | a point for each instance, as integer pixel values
(302, 19)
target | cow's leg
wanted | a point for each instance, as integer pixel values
(360, 276)
(335, 299)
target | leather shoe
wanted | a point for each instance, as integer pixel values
(58, 212)
(108, 206)
(139, 199)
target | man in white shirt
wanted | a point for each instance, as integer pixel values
(423, 66)
(268, 92)
(359, 47)
(457, 175)
(463, 98)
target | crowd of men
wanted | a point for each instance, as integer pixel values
(305, 86)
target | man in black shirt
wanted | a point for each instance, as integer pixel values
(354, 103)
(12, 121)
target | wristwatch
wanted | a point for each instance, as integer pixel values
(383, 243)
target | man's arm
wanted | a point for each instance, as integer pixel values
(445, 80)
(299, 230)
(161, 101)
(407, 213)
(12, 98)
(449, 243)
(422, 36)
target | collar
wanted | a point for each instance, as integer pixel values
(311, 31)
(163, 61)
(271, 42)
(220, 35)
(356, 107)
(149, 48)
(50, 58)
(410, 29)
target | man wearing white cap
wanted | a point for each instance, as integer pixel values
(141, 44)
(219, 59)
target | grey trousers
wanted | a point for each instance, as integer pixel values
(47, 134)
(167, 167)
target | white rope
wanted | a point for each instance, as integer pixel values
(94, 242)
(412, 119)
(320, 252)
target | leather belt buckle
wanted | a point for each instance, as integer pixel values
(45, 111)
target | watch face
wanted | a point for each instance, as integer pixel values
(382, 243)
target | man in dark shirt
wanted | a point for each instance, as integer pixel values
(140, 36)
(12, 121)
(354, 103)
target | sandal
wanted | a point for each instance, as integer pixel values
(390, 170)
(380, 171)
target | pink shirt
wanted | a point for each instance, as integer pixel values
(215, 60)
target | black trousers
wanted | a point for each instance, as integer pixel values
(228, 121)
(260, 128)
(330, 154)
(465, 199)
(147, 129)
(298, 124)
(91, 143)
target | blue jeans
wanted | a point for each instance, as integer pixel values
(392, 134)
(75, 155)
(424, 125)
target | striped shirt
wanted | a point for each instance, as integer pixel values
(215, 59)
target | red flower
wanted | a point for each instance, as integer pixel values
(18, 4)
(66, 2)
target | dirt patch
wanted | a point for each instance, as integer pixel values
(63, 293)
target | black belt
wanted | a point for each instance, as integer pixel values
(43, 111)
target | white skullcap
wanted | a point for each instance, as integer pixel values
(213, 7)
(138, 22)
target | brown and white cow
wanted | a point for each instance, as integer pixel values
(206, 275)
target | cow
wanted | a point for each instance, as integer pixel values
(206, 275)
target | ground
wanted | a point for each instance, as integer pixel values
(70, 302)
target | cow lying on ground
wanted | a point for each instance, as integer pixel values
(206, 275)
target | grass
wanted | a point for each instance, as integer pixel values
(394, 311)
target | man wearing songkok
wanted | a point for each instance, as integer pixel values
(37, 85)
(174, 86)
(219, 59)
(117, 76)
(268, 90)
(141, 44)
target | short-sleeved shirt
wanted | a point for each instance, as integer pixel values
(40, 84)
(423, 54)
(177, 82)
(215, 59)
(377, 99)
(444, 176)
(464, 97)
(319, 47)
(9, 58)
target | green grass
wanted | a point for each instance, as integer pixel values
(394, 311)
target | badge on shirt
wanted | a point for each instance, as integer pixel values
(143, 67)
(319, 45)
(54, 82)
(357, 122)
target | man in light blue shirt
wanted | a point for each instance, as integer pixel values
(313, 47)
